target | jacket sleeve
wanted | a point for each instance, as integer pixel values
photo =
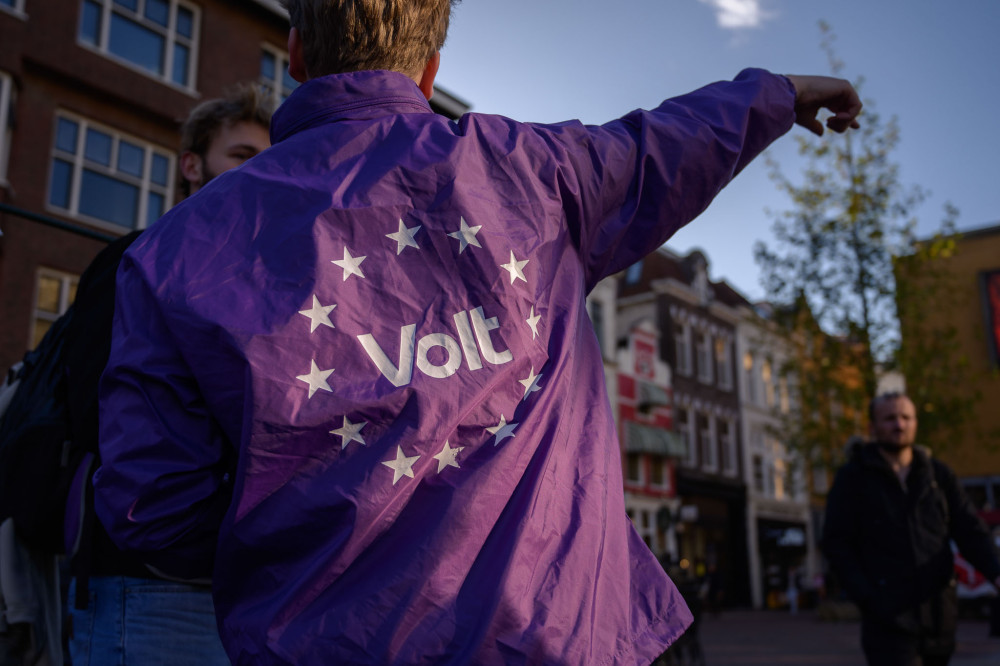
(635, 181)
(841, 542)
(966, 527)
(163, 485)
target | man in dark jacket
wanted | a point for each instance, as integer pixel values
(889, 518)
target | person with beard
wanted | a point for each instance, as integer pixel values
(123, 610)
(890, 515)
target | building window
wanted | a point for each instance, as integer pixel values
(159, 37)
(100, 174)
(595, 309)
(767, 381)
(682, 417)
(6, 104)
(749, 378)
(54, 293)
(727, 444)
(16, 6)
(703, 348)
(634, 273)
(682, 348)
(274, 75)
(658, 471)
(780, 479)
(633, 468)
(724, 369)
(784, 402)
(758, 473)
(706, 440)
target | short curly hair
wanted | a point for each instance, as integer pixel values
(244, 103)
(355, 35)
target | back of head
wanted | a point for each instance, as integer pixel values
(244, 103)
(355, 35)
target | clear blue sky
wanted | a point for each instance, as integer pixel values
(933, 64)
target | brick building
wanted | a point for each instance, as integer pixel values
(696, 320)
(91, 96)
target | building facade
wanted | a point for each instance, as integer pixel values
(696, 320)
(92, 93)
(781, 536)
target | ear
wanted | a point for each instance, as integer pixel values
(426, 82)
(296, 58)
(191, 169)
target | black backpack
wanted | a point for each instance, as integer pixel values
(38, 459)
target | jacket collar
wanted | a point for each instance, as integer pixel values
(869, 455)
(350, 96)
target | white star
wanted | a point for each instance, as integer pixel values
(530, 384)
(404, 237)
(316, 379)
(532, 321)
(319, 315)
(351, 265)
(466, 235)
(514, 268)
(447, 457)
(350, 432)
(502, 430)
(401, 466)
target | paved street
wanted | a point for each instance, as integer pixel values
(756, 638)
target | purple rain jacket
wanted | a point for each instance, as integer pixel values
(356, 376)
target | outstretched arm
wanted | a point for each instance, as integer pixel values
(813, 93)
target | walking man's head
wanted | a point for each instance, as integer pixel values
(223, 133)
(893, 420)
(337, 36)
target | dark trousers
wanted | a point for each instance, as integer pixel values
(885, 646)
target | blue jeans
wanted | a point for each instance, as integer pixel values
(144, 622)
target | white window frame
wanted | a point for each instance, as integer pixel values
(66, 283)
(78, 162)
(682, 347)
(723, 363)
(169, 33)
(705, 357)
(17, 10)
(6, 134)
(275, 87)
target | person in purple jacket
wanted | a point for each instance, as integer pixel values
(355, 381)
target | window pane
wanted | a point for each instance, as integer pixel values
(267, 66)
(90, 23)
(158, 11)
(130, 158)
(287, 82)
(72, 291)
(66, 135)
(131, 4)
(62, 176)
(98, 148)
(180, 76)
(108, 199)
(161, 165)
(136, 43)
(185, 22)
(154, 208)
(48, 294)
(41, 328)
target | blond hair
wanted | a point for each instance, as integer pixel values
(354, 35)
